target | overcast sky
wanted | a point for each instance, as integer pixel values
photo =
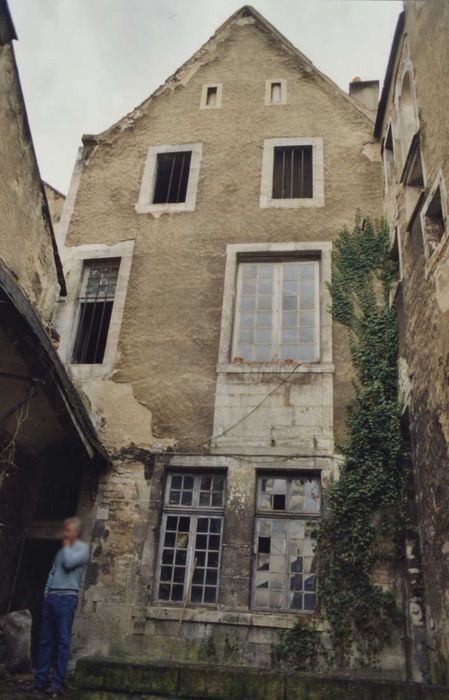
(86, 63)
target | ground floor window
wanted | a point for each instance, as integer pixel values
(284, 576)
(191, 536)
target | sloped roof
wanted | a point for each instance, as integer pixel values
(248, 12)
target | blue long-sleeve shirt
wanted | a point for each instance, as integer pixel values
(68, 567)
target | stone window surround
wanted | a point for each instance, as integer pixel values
(67, 315)
(283, 84)
(321, 249)
(266, 189)
(406, 69)
(217, 105)
(145, 204)
(432, 260)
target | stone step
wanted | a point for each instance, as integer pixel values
(119, 679)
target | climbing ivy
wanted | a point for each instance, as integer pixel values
(300, 648)
(365, 507)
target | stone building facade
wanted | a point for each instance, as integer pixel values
(196, 240)
(49, 451)
(414, 133)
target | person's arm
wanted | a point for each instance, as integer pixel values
(75, 555)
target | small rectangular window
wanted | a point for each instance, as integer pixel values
(292, 172)
(172, 177)
(285, 560)
(191, 537)
(276, 93)
(211, 96)
(95, 305)
(277, 311)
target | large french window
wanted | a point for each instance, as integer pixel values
(284, 576)
(95, 304)
(277, 311)
(192, 527)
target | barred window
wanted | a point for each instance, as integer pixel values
(172, 177)
(277, 311)
(292, 172)
(284, 575)
(95, 305)
(191, 536)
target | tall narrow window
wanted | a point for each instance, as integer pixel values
(284, 575)
(275, 93)
(434, 224)
(191, 535)
(172, 177)
(94, 310)
(292, 172)
(277, 311)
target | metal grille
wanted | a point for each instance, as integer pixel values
(172, 177)
(285, 561)
(94, 310)
(292, 172)
(191, 539)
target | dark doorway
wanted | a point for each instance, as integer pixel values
(34, 566)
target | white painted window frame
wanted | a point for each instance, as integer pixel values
(145, 204)
(439, 182)
(266, 190)
(268, 84)
(276, 312)
(67, 314)
(320, 249)
(203, 102)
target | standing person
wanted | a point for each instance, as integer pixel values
(59, 605)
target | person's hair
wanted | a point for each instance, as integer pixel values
(75, 521)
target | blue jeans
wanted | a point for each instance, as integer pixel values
(58, 612)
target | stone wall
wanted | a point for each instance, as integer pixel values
(25, 234)
(423, 297)
(112, 680)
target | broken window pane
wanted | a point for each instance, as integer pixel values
(285, 562)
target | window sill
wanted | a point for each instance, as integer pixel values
(268, 619)
(276, 368)
(268, 203)
(158, 209)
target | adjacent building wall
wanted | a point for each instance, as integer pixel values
(421, 55)
(26, 236)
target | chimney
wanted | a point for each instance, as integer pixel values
(366, 92)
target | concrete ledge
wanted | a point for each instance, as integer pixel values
(117, 679)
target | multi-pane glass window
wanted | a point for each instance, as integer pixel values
(277, 311)
(94, 310)
(285, 560)
(292, 172)
(192, 527)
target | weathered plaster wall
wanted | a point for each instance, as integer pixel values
(25, 239)
(423, 307)
(173, 308)
(161, 390)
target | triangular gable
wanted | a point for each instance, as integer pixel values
(246, 14)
